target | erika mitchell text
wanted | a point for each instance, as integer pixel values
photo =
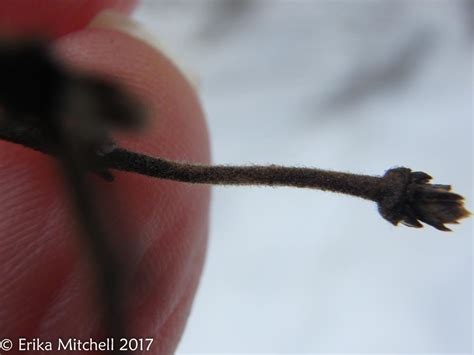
(75, 345)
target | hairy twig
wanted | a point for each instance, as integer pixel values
(402, 195)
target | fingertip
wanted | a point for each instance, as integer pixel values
(166, 222)
(54, 18)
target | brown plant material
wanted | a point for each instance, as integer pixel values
(401, 195)
(406, 196)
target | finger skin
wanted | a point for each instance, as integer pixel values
(47, 285)
(54, 18)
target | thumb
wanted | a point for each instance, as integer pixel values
(40, 253)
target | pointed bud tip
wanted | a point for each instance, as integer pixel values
(409, 199)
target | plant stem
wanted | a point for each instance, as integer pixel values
(272, 175)
(402, 195)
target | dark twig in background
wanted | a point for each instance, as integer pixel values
(106, 263)
(38, 104)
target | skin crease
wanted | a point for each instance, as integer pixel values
(160, 228)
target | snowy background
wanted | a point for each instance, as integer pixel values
(358, 86)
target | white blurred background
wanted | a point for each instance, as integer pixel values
(349, 85)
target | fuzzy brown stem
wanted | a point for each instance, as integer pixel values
(401, 195)
(272, 175)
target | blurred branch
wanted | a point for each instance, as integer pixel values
(386, 75)
(41, 100)
(224, 16)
